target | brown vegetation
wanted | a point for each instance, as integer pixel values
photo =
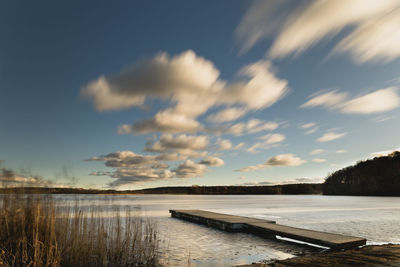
(35, 231)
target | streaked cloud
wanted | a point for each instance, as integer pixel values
(276, 161)
(250, 127)
(330, 136)
(327, 99)
(226, 115)
(372, 32)
(269, 141)
(382, 100)
(341, 151)
(379, 101)
(319, 160)
(224, 144)
(317, 151)
(310, 127)
(377, 39)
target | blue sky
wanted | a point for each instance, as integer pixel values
(148, 93)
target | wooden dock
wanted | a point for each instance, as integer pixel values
(267, 229)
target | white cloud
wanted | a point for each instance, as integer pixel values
(329, 136)
(308, 125)
(250, 127)
(317, 151)
(279, 160)
(228, 114)
(192, 86)
(376, 102)
(341, 151)
(239, 146)
(375, 40)
(372, 27)
(224, 144)
(270, 140)
(318, 160)
(327, 99)
(379, 101)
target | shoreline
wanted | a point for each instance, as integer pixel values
(369, 255)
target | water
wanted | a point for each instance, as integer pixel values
(374, 218)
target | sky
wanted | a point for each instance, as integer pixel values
(137, 94)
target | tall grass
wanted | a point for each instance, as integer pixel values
(34, 231)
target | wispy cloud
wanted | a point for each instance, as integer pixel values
(372, 26)
(379, 101)
(330, 136)
(341, 151)
(276, 161)
(317, 151)
(319, 160)
(269, 141)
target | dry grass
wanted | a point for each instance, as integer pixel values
(37, 232)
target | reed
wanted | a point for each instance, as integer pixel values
(35, 231)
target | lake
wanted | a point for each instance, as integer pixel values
(374, 218)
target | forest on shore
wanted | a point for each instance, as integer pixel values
(379, 176)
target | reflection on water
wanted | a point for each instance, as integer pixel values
(375, 218)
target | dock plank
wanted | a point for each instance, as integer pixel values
(268, 229)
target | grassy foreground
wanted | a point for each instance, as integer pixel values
(37, 232)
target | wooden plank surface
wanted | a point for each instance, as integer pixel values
(267, 228)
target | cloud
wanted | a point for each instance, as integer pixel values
(179, 143)
(250, 127)
(192, 86)
(229, 114)
(311, 127)
(329, 136)
(376, 102)
(270, 140)
(372, 32)
(239, 146)
(190, 169)
(308, 125)
(276, 161)
(317, 151)
(9, 178)
(327, 99)
(164, 122)
(341, 151)
(375, 40)
(379, 101)
(318, 160)
(212, 161)
(130, 168)
(224, 144)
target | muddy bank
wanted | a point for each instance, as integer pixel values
(384, 255)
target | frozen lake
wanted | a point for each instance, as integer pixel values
(374, 218)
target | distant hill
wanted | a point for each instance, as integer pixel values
(379, 176)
